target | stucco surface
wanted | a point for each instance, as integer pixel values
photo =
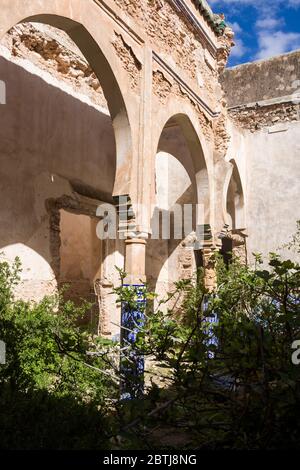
(51, 144)
(108, 99)
(273, 188)
(262, 80)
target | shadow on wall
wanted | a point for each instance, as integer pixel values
(235, 201)
(52, 144)
(37, 278)
(79, 257)
(181, 178)
(173, 188)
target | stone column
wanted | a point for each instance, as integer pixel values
(239, 244)
(209, 248)
(210, 275)
(132, 319)
(104, 288)
(135, 261)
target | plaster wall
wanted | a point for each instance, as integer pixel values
(53, 144)
(80, 253)
(273, 186)
(262, 80)
(270, 170)
(264, 126)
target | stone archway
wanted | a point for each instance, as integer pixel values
(234, 238)
(235, 201)
(180, 163)
(80, 19)
(82, 26)
(195, 158)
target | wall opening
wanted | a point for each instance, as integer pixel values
(235, 201)
(234, 243)
(58, 133)
(178, 166)
(80, 260)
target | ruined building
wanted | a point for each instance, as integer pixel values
(127, 104)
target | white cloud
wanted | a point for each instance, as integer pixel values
(265, 7)
(236, 27)
(269, 23)
(271, 38)
(272, 43)
(239, 49)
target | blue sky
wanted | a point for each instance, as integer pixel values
(263, 28)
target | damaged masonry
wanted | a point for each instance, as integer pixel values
(128, 104)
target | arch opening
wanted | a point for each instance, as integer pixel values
(235, 204)
(65, 136)
(182, 199)
(234, 243)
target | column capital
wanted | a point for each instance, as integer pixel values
(139, 233)
(137, 241)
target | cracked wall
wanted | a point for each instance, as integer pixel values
(129, 61)
(53, 52)
(264, 114)
(55, 142)
(263, 93)
(176, 40)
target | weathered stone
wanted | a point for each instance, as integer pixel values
(132, 104)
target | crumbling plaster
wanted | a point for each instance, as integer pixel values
(264, 125)
(141, 78)
(130, 33)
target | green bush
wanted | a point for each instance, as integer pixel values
(230, 383)
(225, 384)
(51, 396)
